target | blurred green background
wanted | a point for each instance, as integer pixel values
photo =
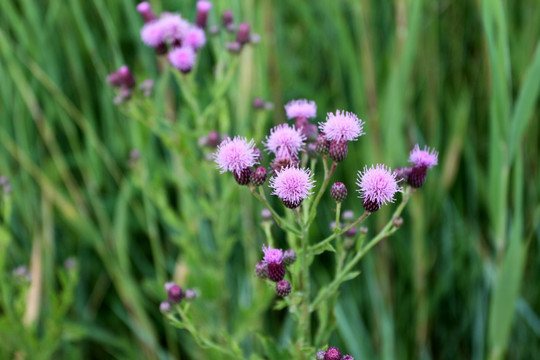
(459, 280)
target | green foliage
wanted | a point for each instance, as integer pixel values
(459, 280)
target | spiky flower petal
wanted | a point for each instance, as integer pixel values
(427, 157)
(377, 186)
(235, 155)
(301, 109)
(284, 137)
(292, 184)
(342, 126)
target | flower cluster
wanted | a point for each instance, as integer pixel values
(175, 294)
(273, 267)
(332, 353)
(173, 34)
(337, 131)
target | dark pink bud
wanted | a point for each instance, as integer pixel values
(227, 19)
(338, 191)
(276, 271)
(283, 288)
(174, 294)
(213, 139)
(242, 36)
(332, 354)
(258, 103)
(145, 10)
(370, 205)
(322, 144)
(291, 204)
(243, 176)
(203, 7)
(338, 150)
(289, 257)
(417, 177)
(114, 79)
(126, 77)
(258, 177)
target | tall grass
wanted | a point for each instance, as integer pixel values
(458, 281)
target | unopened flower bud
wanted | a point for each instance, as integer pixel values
(338, 191)
(398, 221)
(227, 19)
(203, 7)
(235, 47)
(174, 294)
(258, 177)
(146, 12)
(266, 214)
(258, 103)
(283, 288)
(417, 177)
(348, 215)
(242, 178)
(338, 150)
(322, 144)
(276, 271)
(351, 232)
(190, 294)
(213, 139)
(332, 354)
(320, 355)
(261, 270)
(289, 257)
(164, 307)
(126, 77)
(243, 36)
(370, 205)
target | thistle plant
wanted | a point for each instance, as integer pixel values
(289, 178)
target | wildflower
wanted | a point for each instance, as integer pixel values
(182, 58)
(283, 288)
(377, 186)
(164, 307)
(301, 109)
(284, 137)
(332, 354)
(289, 257)
(338, 191)
(347, 357)
(322, 144)
(203, 7)
(274, 261)
(235, 155)
(421, 160)
(242, 36)
(261, 269)
(145, 10)
(258, 177)
(195, 38)
(153, 33)
(227, 20)
(292, 185)
(342, 126)
(320, 355)
(190, 294)
(174, 294)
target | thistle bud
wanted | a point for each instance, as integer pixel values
(242, 178)
(338, 191)
(322, 144)
(242, 36)
(283, 288)
(338, 150)
(289, 257)
(174, 294)
(258, 177)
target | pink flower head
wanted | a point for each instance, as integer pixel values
(182, 58)
(235, 155)
(292, 184)
(272, 255)
(377, 184)
(174, 26)
(425, 158)
(301, 108)
(204, 6)
(343, 126)
(284, 137)
(153, 33)
(195, 38)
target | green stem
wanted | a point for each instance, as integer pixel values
(320, 245)
(278, 219)
(327, 176)
(338, 211)
(388, 229)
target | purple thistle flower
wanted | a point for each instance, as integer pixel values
(301, 108)
(377, 186)
(272, 255)
(175, 294)
(343, 126)
(242, 36)
(283, 288)
(332, 354)
(203, 7)
(195, 38)
(284, 137)
(235, 155)
(425, 158)
(182, 58)
(146, 12)
(292, 185)
(153, 33)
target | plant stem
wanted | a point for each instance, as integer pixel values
(320, 245)
(278, 219)
(327, 176)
